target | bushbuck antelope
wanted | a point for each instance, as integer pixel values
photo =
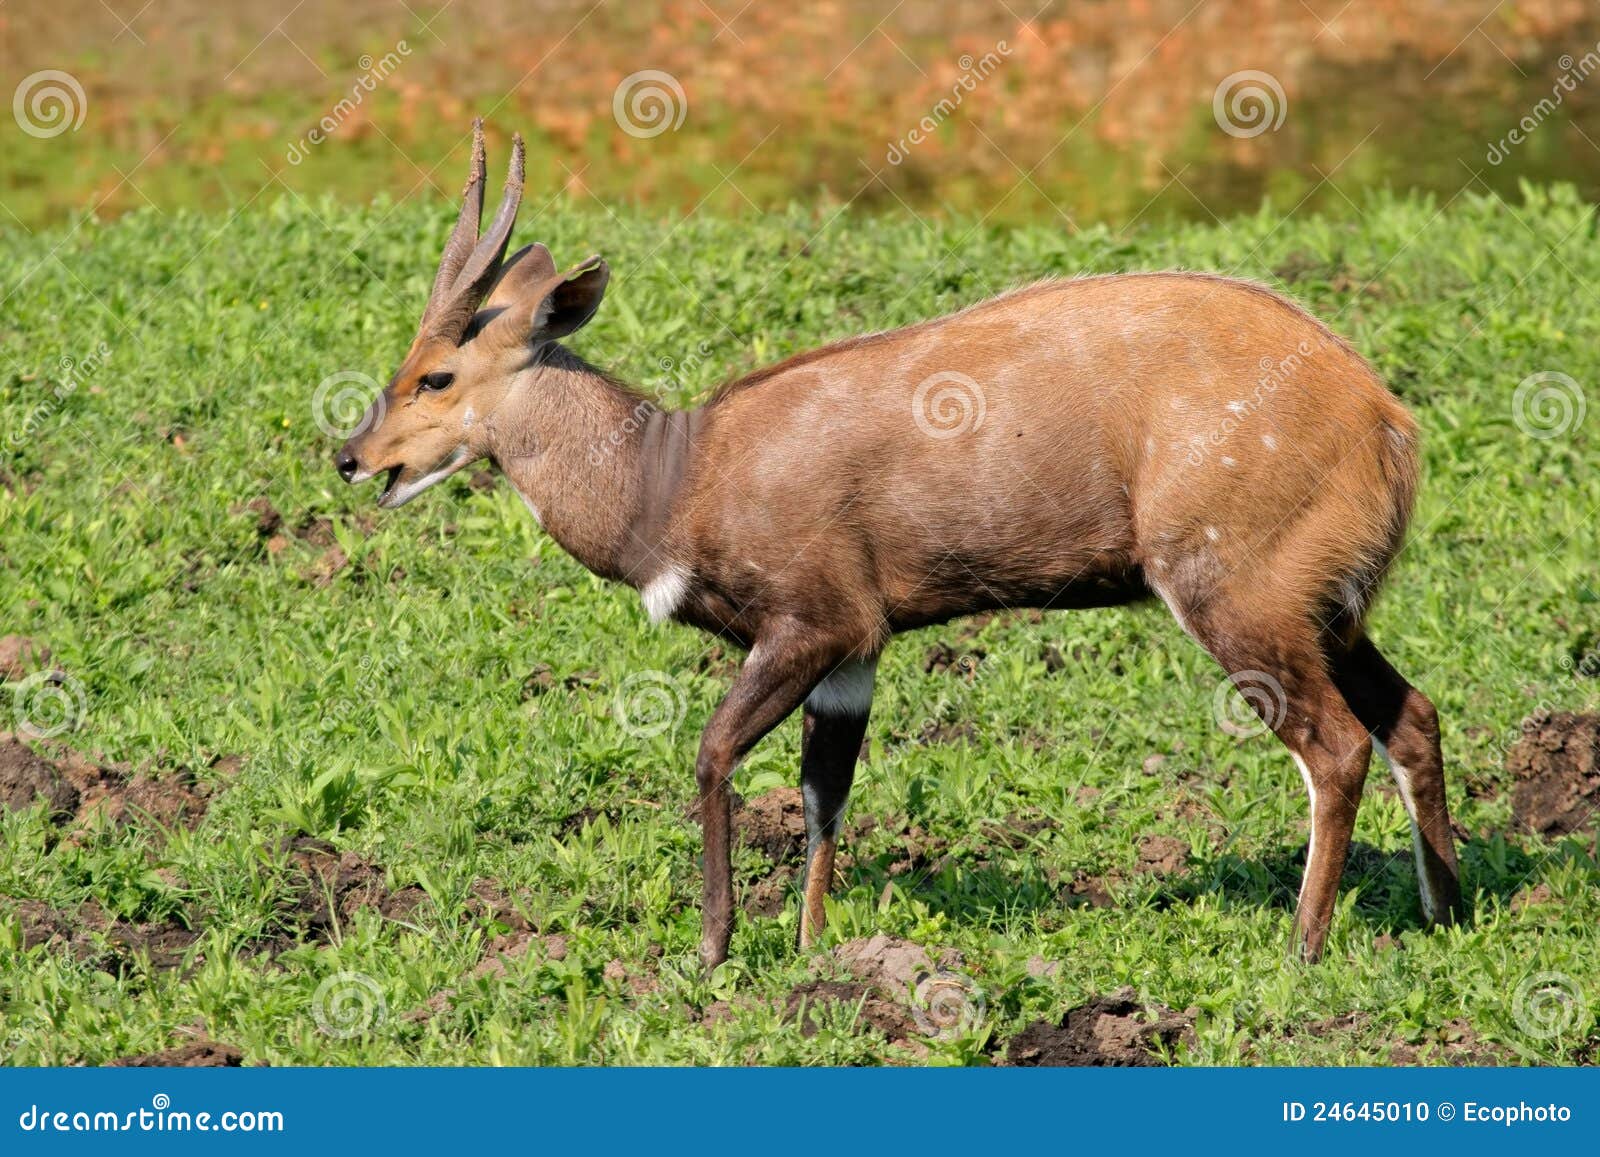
(1185, 437)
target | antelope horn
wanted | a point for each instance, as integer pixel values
(472, 282)
(463, 237)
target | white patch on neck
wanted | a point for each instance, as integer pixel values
(846, 690)
(468, 418)
(663, 594)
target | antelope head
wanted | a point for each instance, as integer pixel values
(486, 320)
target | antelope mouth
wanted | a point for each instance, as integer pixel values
(403, 484)
(391, 481)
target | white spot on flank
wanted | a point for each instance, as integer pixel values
(1269, 442)
(663, 593)
(1229, 463)
(1402, 780)
(846, 690)
(1212, 535)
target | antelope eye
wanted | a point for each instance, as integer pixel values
(436, 381)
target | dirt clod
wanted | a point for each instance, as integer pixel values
(19, 655)
(895, 965)
(775, 822)
(82, 789)
(200, 1054)
(1113, 1031)
(1162, 855)
(807, 1001)
(25, 777)
(331, 888)
(1556, 766)
(942, 659)
(1456, 1044)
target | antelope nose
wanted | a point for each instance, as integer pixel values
(345, 463)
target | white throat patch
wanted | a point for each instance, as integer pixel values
(663, 594)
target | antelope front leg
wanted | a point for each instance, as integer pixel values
(830, 743)
(776, 676)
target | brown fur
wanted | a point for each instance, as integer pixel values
(1189, 436)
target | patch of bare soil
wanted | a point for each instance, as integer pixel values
(1094, 891)
(883, 974)
(807, 1001)
(1455, 1043)
(1162, 855)
(333, 887)
(938, 734)
(110, 945)
(200, 1054)
(20, 655)
(770, 894)
(542, 680)
(1556, 766)
(912, 849)
(1112, 1031)
(81, 789)
(26, 777)
(775, 822)
(942, 659)
(1018, 829)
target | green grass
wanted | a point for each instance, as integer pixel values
(384, 710)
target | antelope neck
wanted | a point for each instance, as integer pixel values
(665, 445)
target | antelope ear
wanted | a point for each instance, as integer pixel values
(524, 273)
(572, 301)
